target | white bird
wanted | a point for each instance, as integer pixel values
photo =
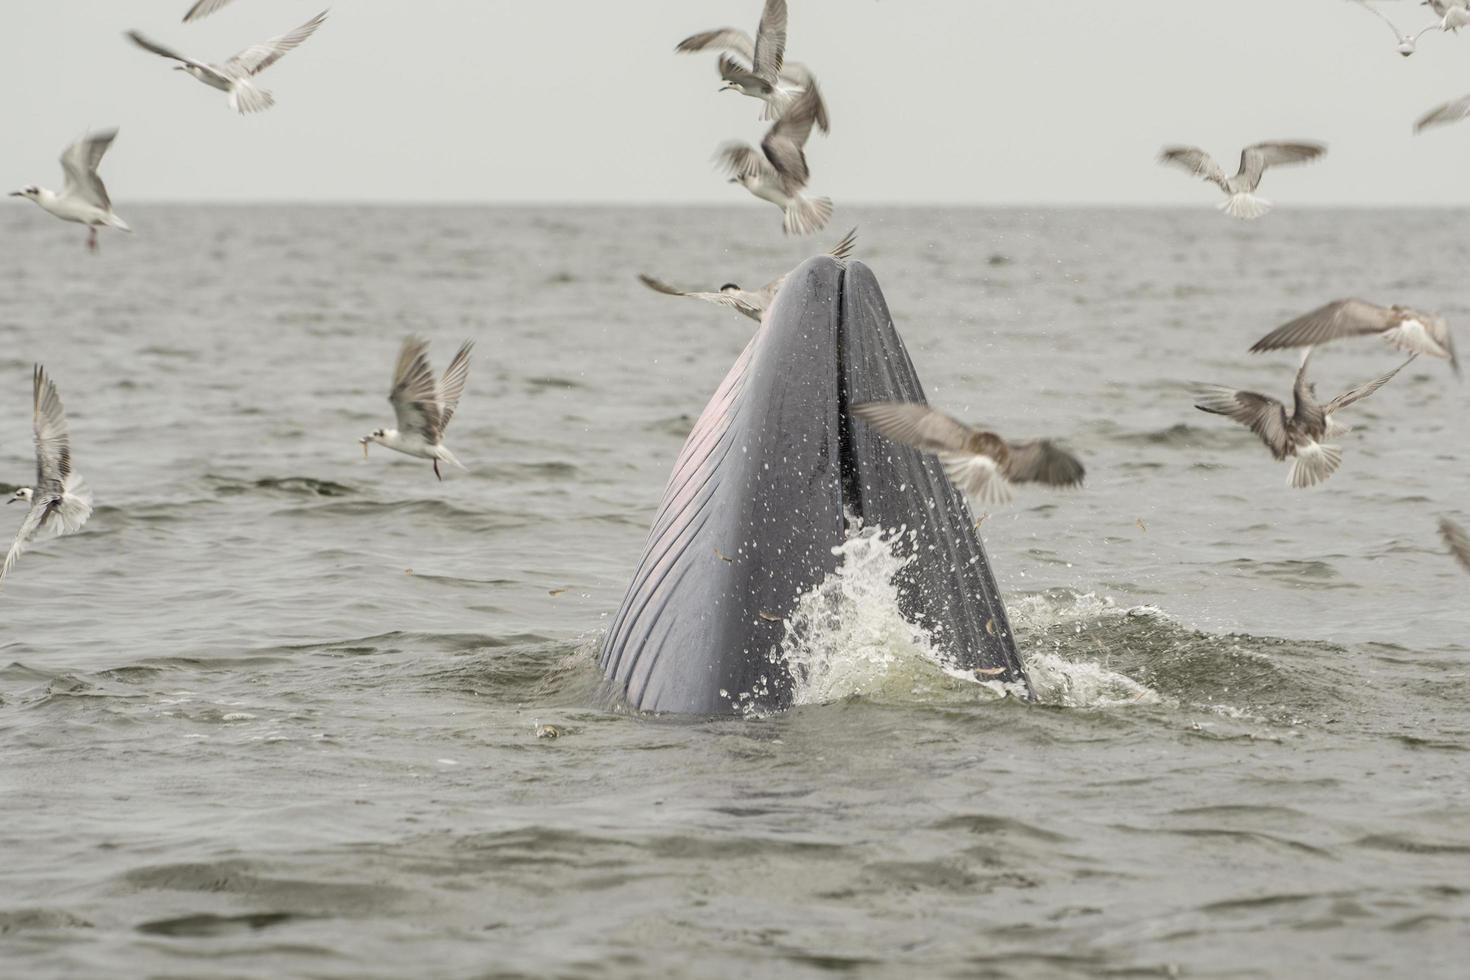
(779, 172)
(1301, 433)
(1406, 42)
(203, 9)
(1242, 201)
(422, 406)
(1400, 327)
(980, 463)
(237, 76)
(60, 502)
(83, 196)
(1455, 14)
(753, 303)
(771, 78)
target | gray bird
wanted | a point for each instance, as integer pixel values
(59, 502)
(1457, 540)
(237, 75)
(979, 462)
(770, 77)
(1241, 200)
(203, 9)
(1401, 327)
(752, 303)
(1299, 434)
(1442, 115)
(778, 172)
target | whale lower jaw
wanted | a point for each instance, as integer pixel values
(761, 495)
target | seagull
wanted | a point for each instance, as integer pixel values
(1242, 202)
(1299, 434)
(83, 197)
(1406, 42)
(1400, 326)
(752, 304)
(779, 173)
(423, 408)
(237, 75)
(203, 9)
(981, 463)
(771, 78)
(60, 502)
(1457, 539)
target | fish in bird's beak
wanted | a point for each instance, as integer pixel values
(364, 443)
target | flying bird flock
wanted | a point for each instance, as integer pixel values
(981, 463)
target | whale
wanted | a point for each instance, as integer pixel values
(772, 479)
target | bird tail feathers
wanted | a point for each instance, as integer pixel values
(1245, 206)
(113, 221)
(448, 457)
(805, 215)
(246, 98)
(1315, 462)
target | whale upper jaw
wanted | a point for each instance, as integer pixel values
(761, 495)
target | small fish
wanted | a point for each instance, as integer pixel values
(989, 671)
(769, 617)
(1141, 526)
(555, 592)
(549, 731)
(990, 626)
(724, 557)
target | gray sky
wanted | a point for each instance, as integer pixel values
(983, 101)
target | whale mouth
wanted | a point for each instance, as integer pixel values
(763, 495)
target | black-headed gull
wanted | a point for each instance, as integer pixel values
(83, 196)
(1299, 434)
(237, 75)
(60, 502)
(978, 462)
(422, 405)
(1241, 201)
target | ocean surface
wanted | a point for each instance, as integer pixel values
(273, 712)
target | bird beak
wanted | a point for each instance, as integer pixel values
(16, 194)
(12, 500)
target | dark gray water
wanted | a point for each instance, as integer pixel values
(273, 711)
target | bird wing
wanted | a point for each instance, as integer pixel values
(1364, 390)
(1256, 158)
(917, 425)
(842, 251)
(148, 44)
(732, 300)
(797, 75)
(258, 57)
(203, 9)
(1457, 539)
(734, 72)
(451, 385)
(1338, 319)
(770, 42)
(415, 393)
(1449, 112)
(1196, 161)
(742, 160)
(784, 144)
(79, 163)
(721, 38)
(1309, 414)
(1262, 414)
(1042, 461)
(1381, 16)
(53, 443)
(28, 528)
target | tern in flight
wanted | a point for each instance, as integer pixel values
(422, 405)
(59, 500)
(979, 462)
(1401, 327)
(1241, 200)
(770, 77)
(237, 76)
